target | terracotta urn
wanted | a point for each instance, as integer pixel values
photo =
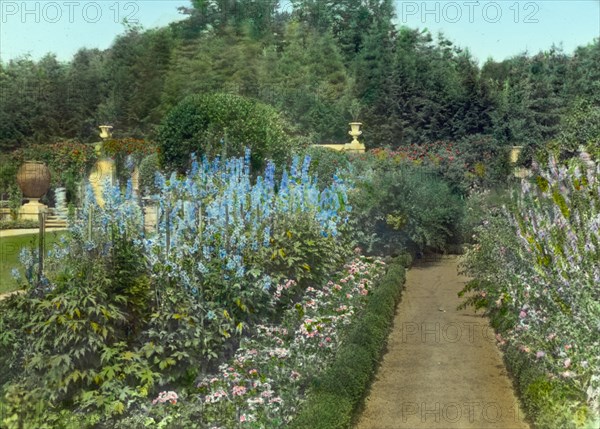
(34, 179)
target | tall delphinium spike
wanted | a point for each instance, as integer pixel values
(195, 166)
(270, 175)
(305, 166)
(294, 168)
(247, 161)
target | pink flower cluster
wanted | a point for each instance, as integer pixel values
(265, 378)
(165, 396)
(282, 288)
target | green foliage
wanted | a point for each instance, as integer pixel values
(137, 64)
(402, 206)
(18, 224)
(482, 163)
(75, 343)
(336, 394)
(579, 128)
(310, 84)
(325, 163)
(148, 169)
(548, 403)
(14, 315)
(533, 263)
(222, 124)
(15, 201)
(478, 207)
(179, 342)
(298, 251)
(8, 175)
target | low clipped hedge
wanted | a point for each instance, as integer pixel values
(18, 224)
(336, 394)
(547, 403)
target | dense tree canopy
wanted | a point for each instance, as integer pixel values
(308, 59)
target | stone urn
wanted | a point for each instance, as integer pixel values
(355, 145)
(105, 131)
(515, 153)
(34, 180)
(355, 130)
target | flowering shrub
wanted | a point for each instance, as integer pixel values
(121, 310)
(265, 380)
(434, 153)
(164, 396)
(478, 161)
(66, 158)
(68, 161)
(537, 266)
(128, 146)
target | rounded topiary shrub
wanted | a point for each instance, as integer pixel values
(221, 124)
(148, 169)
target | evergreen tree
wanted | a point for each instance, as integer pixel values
(86, 84)
(348, 20)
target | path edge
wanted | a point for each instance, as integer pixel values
(337, 395)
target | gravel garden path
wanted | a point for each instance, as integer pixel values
(442, 368)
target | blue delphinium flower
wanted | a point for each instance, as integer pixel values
(267, 281)
(270, 175)
(267, 236)
(305, 167)
(294, 168)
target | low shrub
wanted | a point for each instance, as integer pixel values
(149, 166)
(18, 224)
(548, 403)
(222, 124)
(336, 394)
(400, 206)
(325, 163)
(535, 269)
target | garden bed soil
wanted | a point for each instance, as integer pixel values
(442, 368)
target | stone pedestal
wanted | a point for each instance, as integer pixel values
(60, 196)
(31, 210)
(354, 146)
(102, 173)
(150, 215)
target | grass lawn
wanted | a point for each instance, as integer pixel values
(9, 255)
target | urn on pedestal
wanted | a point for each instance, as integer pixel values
(33, 179)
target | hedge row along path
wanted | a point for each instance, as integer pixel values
(442, 368)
